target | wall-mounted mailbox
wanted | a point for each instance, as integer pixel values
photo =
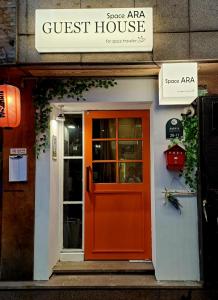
(175, 158)
(17, 168)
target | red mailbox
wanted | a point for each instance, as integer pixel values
(175, 158)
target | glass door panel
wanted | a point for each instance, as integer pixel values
(130, 128)
(130, 150)
(104, 150)
(104, 172)
(72, 182)
(72, 228)
(73, 135)
(130, 172)
(104, 128)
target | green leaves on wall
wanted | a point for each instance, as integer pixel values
(59, 88)
(190, 141)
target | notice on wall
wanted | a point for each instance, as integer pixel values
(17, 168)
(94, 30)
(178, 83)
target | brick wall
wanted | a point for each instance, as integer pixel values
(8, 31)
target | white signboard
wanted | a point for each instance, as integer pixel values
(94, 30)
(178, 83)
(18, 151)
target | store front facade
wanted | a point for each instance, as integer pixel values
(97, 192)
(101, 188)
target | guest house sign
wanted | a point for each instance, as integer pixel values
(178, 83)
(94, 30)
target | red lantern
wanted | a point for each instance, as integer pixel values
(9, 106)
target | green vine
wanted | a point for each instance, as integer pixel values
(48, 89)
(190, 141)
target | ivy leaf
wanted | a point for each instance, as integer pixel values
(190, 141)
(48, 88)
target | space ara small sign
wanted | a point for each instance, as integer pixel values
(178, 83)
(94, 30)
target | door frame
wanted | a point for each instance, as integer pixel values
(78, 254)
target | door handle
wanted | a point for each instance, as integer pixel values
(205, 210)
(88, 178)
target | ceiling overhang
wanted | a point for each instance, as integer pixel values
(95, 70)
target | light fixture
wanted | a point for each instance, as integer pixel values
(60, 117)
(71, 126)
(98, 146)
(10, 109)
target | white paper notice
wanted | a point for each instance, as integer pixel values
(17, 168)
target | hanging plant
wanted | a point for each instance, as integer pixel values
(58, 88)
(190, 141)
(173, 200)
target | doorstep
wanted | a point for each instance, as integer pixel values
(118, 281)
(104, 267)
(107, 287)
(98, 275)
(99, 282)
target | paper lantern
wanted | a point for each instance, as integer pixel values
(10, 111)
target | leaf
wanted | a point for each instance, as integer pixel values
(174, 202)
(47, 89)
(190, 141)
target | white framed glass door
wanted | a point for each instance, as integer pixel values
(72, 188)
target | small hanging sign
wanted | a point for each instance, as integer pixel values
(174, 129)
(18, 151)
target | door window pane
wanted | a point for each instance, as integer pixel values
(130, 172)
(72, 228)
(104, 128)
(73, 180)
(130, 150)
(104, 150)
(73, 135)
(130, 128)
(104, 172)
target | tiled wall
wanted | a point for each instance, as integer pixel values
(182, 30)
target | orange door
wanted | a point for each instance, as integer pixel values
(117, 201)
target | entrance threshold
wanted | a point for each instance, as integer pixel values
(103, 267)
